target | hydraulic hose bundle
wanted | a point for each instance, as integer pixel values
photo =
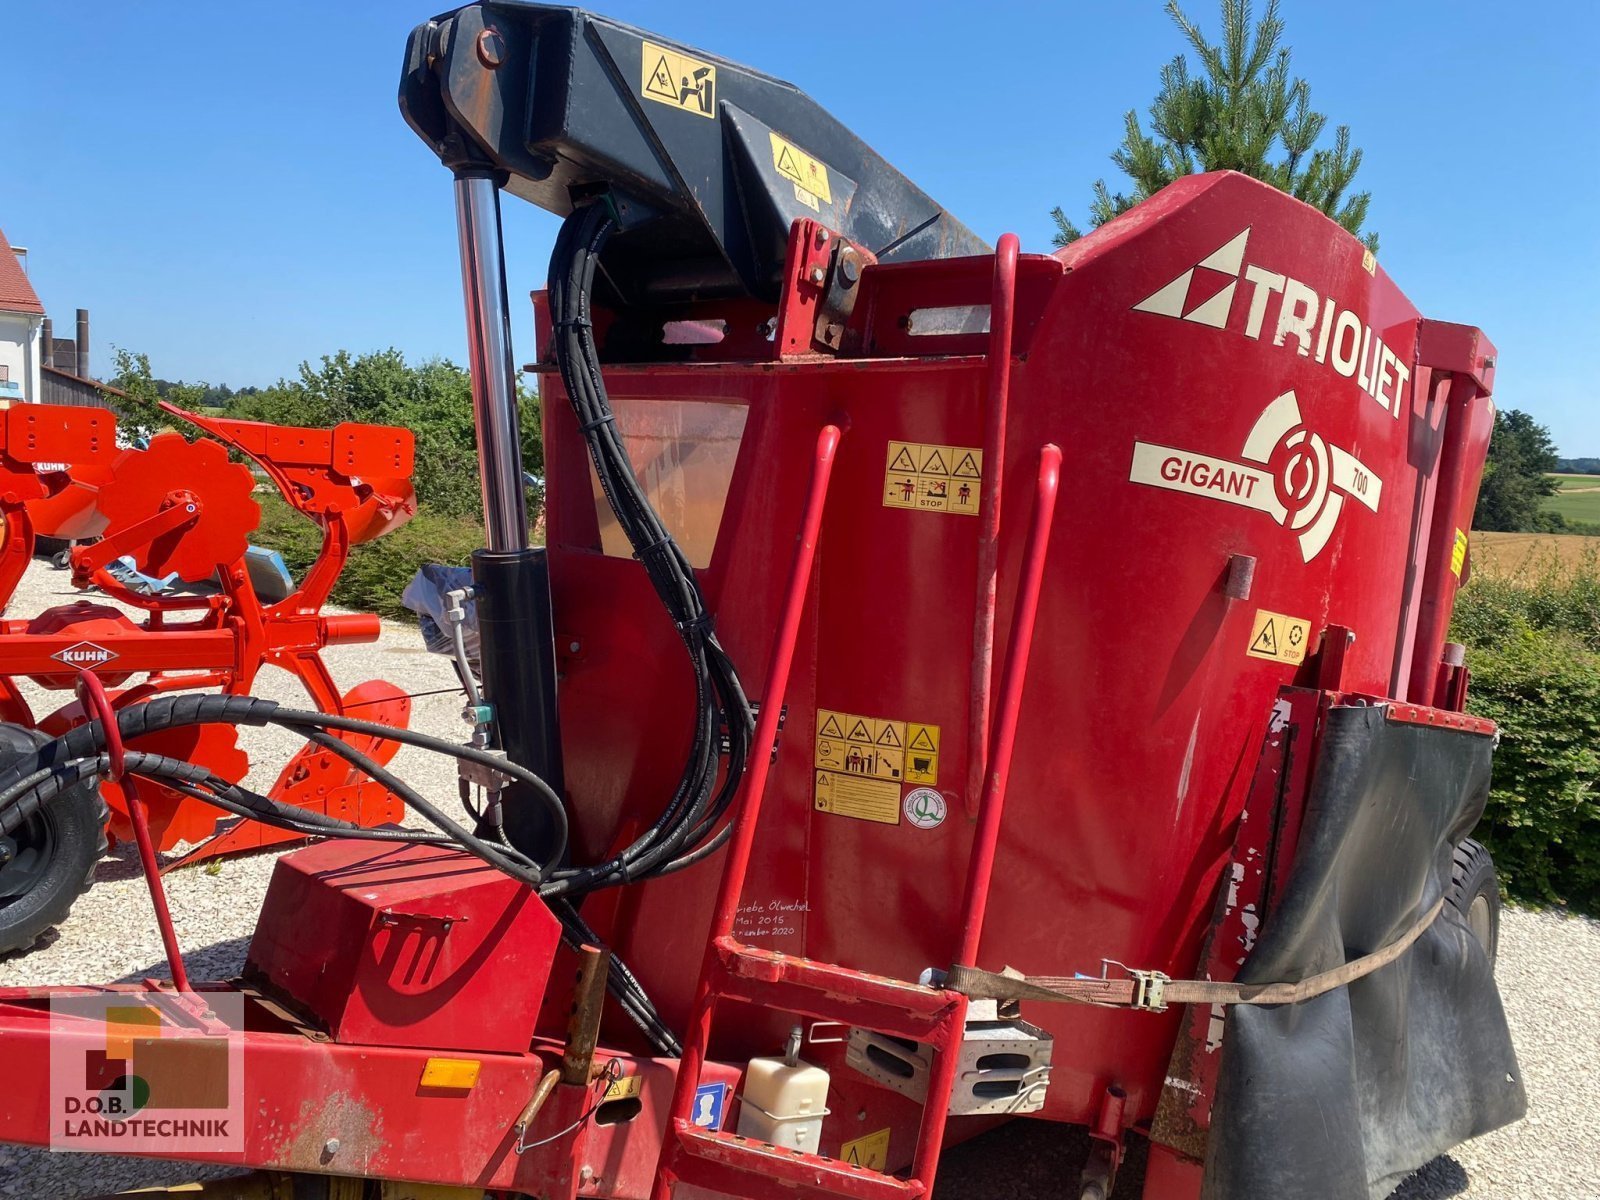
(683, 834)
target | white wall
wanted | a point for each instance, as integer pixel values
(20, 348)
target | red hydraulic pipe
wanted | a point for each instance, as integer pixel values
(1439, 582)
(1002, 317)
(980, 867)
(747, 812)
(92, 695)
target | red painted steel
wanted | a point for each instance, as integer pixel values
(748, 810)
(1233, 376)
(980, 871)
(92, 695)
(1002, 316)
(410, 940)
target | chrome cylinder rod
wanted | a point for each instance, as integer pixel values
(494, 376)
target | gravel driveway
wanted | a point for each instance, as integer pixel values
(1549, 972)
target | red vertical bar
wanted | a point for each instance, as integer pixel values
(980, 868)
(1002, 317)
(748, 812)
(92, 695)
(1439, 582)
(946, 1059)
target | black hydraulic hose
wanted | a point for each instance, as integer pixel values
(697, 803)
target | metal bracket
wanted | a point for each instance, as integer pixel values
(1150, 990)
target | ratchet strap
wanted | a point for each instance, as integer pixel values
(1152, 991)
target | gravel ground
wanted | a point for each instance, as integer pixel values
(1549, 973)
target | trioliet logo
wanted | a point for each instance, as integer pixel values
(1320, 327)
(84, 654)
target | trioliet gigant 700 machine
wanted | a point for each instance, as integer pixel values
(959, 684)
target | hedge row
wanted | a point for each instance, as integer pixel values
(1533, 645)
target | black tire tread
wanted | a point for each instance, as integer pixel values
(1471, 866)
(24, 937)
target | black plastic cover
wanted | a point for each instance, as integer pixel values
(700, 157)
(1341, 1097)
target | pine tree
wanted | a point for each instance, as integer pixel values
(1245, 113)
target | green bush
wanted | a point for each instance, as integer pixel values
(1534, 649)
(378, 571)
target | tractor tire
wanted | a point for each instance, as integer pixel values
(49, 862)
(1475, 894)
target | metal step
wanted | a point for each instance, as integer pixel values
(724, 1162)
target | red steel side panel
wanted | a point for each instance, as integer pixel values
(1228, 374)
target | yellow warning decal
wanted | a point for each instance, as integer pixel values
(1458, 555)
(934, 478)
(863, 799)
(1280, 638)
(870, 1152)
(668, 77)
(875, 748)
(625, 1088)
(808, 174)
(1369, 262)
(922, 753)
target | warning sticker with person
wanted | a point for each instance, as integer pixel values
(933, 478)
(853, 749)
(1278, 637)
(685, 83)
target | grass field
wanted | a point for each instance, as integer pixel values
(1571, 483)
(1577, 498)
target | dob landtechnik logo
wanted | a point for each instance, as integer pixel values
(131, 1074)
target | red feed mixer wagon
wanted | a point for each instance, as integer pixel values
(959, 685)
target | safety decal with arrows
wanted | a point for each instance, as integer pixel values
(685, 83)
(861, 762)
(945, 479)
(1278, 637)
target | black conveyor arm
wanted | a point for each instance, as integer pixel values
(705, 163)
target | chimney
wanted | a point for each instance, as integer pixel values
(48, 338)
(83, 344)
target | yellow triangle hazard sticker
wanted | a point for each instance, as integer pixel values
(888, 737)
(921, 741)
(658, 82)
(830, 728)
(1266, 641)
(967, 468)
(934, 463)
(903, 461)
(860, 733)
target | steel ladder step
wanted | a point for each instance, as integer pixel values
(830, 992)
(722, 1162)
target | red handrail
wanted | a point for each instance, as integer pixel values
(747, 813)
(97, 706)
(980, 866)
(1002, 319)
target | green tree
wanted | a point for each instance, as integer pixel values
(1516, 476)
(138, 405)
(1243, 113)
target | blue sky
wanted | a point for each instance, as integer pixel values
(233, 190)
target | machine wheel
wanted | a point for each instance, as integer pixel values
(49, 862)
(1475, 894)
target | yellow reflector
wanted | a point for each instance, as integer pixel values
(459, 1073)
